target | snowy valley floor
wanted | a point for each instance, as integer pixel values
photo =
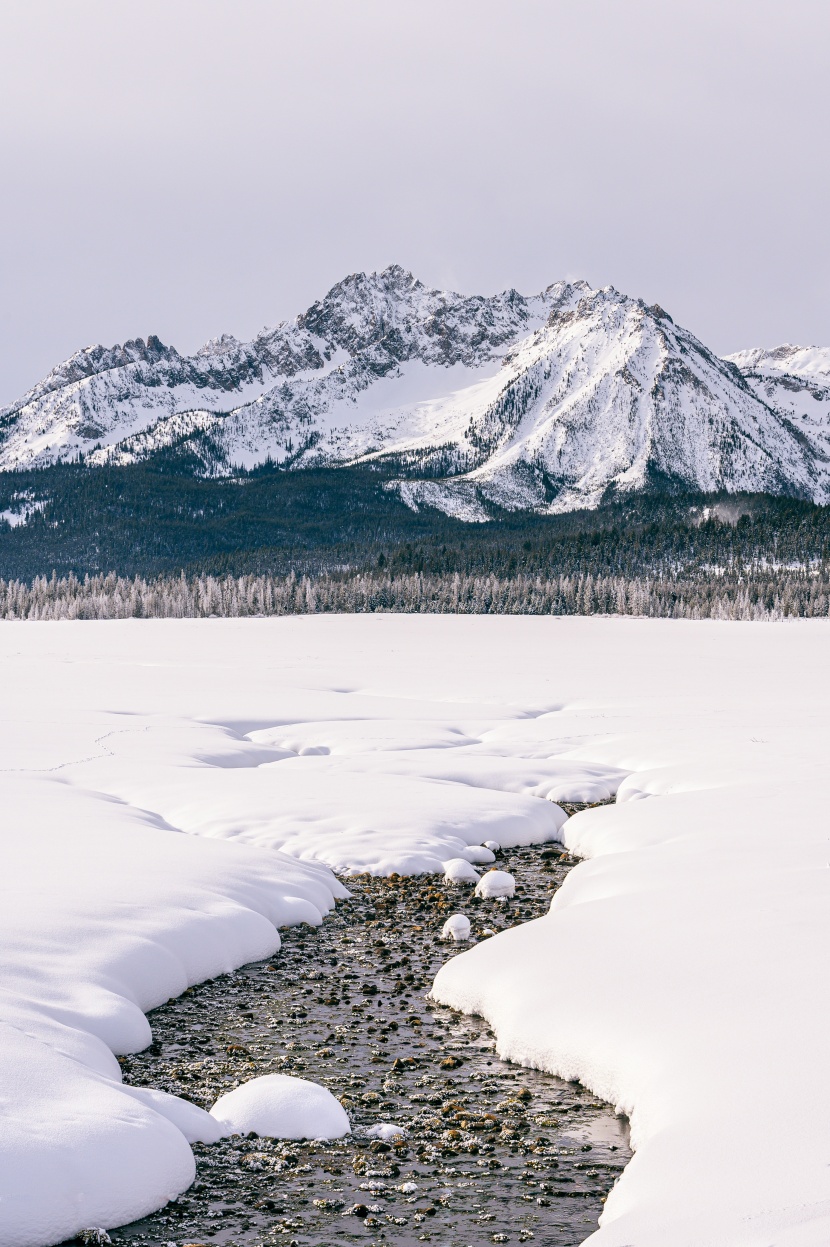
(681, 974)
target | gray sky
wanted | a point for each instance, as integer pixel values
(188, 167)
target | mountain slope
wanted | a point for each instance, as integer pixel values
(795, 382)
(545, 403)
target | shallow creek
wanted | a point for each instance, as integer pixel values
(493, 1152)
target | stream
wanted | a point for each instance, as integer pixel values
(493, 1152)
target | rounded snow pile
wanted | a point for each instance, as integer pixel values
(480, 854)
(493, 846)
(387, 1131)
(456, 928)
(459, 870)
(279, 1107)
(496, 883)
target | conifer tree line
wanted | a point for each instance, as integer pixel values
(760, 594)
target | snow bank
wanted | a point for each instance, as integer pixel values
(105, 913)
(278, 1106)
(680, 972)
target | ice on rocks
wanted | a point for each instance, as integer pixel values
(458, 871)
(281, 1107)
(457, 927)
(495, 884)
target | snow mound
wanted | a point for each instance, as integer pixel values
(458, 870)
(456, 928)
(278, 1106)
(385, 1130)
(496, 883)
(493, 846)
(480, 855)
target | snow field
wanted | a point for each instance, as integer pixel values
(680, 973)
(115, 741)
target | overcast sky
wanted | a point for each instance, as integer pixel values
(188, 167)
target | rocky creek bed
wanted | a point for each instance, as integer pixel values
(493, 1153)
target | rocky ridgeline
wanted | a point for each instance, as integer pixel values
(488, 1152)
(538, 403)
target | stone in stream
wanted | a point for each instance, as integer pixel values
(457, 927)
(459, 871)
(496, 883)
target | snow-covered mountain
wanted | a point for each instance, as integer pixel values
(543, 402)
(795, 382)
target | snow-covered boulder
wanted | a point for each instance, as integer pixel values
(456, 928)
(385, 1130)
(496, 883)
(458, 870)
(479, 854)
(493, 846)
(280, 1107)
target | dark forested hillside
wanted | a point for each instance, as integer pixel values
(145, 522)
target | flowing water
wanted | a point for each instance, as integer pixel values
(493, 1153)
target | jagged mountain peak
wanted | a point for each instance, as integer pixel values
(399, 316)
(225, 344)
(545, 401)
(96, 359)
(810, 362)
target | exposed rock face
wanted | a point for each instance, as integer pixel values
(544, 402)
